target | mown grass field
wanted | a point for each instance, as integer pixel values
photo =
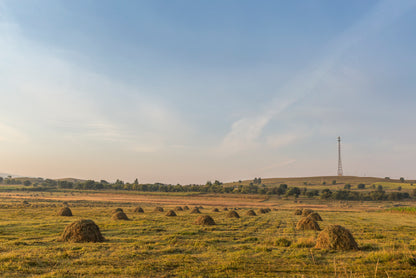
(154, 245)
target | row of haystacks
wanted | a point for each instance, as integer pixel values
(333, 237)
(85, 230)
(118, 213)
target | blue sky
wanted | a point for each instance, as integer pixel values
(190, 91)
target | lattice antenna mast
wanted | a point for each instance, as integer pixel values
(340, 173)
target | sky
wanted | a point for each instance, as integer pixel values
(188, 91)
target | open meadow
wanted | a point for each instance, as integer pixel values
(152, 244)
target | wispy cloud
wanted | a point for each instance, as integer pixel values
(11, 134)
(245, 132)
(51, 95)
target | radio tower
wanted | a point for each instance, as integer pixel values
(339, 157)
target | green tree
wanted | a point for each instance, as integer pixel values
(334, 182)
(136, 181)
(347, 186)
(361, 186)
(27, 183)
(326, 193)
(402, 179)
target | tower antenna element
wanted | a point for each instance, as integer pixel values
(340, 173)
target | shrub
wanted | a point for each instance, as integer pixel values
(361, 186)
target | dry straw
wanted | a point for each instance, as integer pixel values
(315, 216)
(306, 212)
(65, 211)
(205, 220)
(139, 210)
(233, 214)
(307, 223)
(82, 231)
(170, 213)
(336, 237)
(119, 216)
(195, 210)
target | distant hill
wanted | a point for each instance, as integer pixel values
(319, 180)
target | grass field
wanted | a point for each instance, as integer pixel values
(154, 245)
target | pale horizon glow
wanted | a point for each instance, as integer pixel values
(186, 92)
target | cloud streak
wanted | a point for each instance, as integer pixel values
(245, 132)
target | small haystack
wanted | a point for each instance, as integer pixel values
(307, 223)
(159, 209)
(171, 213)
(336, 237)
(66, 211)
(233, 214)
(205, 220)
(82, 231)
(268, 210)
(185, 208)
(215, 210)
(315, 216)
(119, 216)
(306, 212)
(262, 210)
(178, 208)
(225, 209)
(200, 207)
(25, 203)
(195, 210)
(251, 213)
(298, 212)
(138, 210)
(117, 210)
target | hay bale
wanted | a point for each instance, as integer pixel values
(205, 220)
(200, 207)
(306, 212)
(66, 211)
(82, 231)
(25, 203)
(118, 210)
(225, 209)
(298, 212)
(119, 216)
(138, 210)
(159, 209)
(262, 210)
(233, 214)
(268, 210)
(315, 216)
(307, 223)
(251, 213)
(171, 213)
(215, 210)
(195, 210)
(185, 208)
(179, 208)
(337, 238)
